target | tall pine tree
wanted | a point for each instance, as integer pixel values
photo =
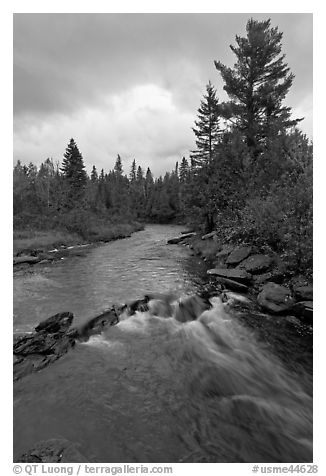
(257, 85)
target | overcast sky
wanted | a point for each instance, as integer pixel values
(132, 83)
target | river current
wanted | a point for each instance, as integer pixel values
(151, 388)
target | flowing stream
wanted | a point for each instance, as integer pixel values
(153, 389)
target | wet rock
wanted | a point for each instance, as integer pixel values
(190, 308)
(303, 309)
(275, 299)
(256, 264)
(96, 324)
(26, 365)
(53, 451)
(276, 276)
(208, 235)
(303, 293)
(233, 285)
(239, 254)
(52, 339)
(58, 323)
(225, 251)
(179, 239)
(26, 259)
(234, 298)
(140, 305)
(239, 275)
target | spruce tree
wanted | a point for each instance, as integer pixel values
(207, 130)
(257, 85)
(132, 175)
(184, 170)
(73, 166)
(140, 175)
(94, 174)
(74, 174)
(118, 166)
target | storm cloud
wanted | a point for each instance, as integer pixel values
(131, 83)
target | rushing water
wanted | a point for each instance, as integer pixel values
(153, 389)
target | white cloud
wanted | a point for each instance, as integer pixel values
(142, 123)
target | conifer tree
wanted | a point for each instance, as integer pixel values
(132, 175)
(140, 174)
(118, 169)
(257, 84)
(74, 174)
(207, 128)
(184, 170)
(73, 166)
(94, 174)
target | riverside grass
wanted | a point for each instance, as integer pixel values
(30, 239)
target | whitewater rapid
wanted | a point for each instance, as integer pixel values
(240, 403)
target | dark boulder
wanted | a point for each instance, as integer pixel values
(140, 305)
(190, 308)
(52, 339)
(303, 293)
(275, 298)
(58, 323)
(96, 324)
(239, 254)
(52, 451)
(256, 264)
(303, 309)
(239, 275)
(276, 276)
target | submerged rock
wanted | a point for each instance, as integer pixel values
(52, 451)
(275, 298)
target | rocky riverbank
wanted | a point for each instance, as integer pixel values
(259, 273)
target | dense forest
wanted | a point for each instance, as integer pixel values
(249, 177)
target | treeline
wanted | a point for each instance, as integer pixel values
(55, 195)
(250, 175)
